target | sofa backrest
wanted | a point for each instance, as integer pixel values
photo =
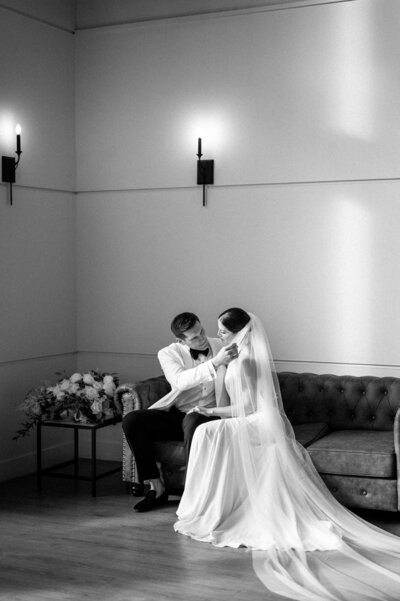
(344, 402)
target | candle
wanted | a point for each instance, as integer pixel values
(18, 132)
(199, 147)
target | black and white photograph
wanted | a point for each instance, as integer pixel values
(199, 331)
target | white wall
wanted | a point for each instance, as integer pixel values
(299, 110)
(37, 233)
(303, 94)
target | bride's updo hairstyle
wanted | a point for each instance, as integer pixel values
(234, 319)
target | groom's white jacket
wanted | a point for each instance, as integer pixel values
(186, 376)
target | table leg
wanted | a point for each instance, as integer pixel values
(94, 461)
(76, 453)
(39, 455)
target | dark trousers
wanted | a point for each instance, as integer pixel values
(144, 427)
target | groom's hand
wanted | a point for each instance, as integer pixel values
(225, 355)
(201, 410)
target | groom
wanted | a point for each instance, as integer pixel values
(190, 365)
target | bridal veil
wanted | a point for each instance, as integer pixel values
(307, 546)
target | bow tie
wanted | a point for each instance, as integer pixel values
(195, 354)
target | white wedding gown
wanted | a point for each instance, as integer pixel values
(249, 483)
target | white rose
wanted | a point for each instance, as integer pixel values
(65, 384)
(109, 385)
(97, 385)
(109, 388)
(57, 392)
(91, 394)
(88, 379)
(73, 389)
(96, 407)
(75, 378)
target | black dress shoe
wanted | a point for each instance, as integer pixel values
(151, 501)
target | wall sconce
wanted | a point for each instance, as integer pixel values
(9, 164)
(205, 172)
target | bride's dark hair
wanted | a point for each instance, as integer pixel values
(234, 319)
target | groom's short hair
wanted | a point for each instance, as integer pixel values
(183, 322)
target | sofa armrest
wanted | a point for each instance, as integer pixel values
(141, 395)
(124, 397)
(396, 433)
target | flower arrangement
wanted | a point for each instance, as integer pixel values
(86, 398)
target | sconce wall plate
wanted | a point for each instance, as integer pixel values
(9, 164)
(8, 170)
(205, 172)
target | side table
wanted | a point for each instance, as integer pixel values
(76, 426)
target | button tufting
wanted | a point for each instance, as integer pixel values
(373, 418)
(364, 493)
(364, 392)
(385, 392)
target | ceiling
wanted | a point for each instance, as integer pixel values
(98, 13)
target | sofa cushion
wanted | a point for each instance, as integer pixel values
(306, 434)
(355, 453)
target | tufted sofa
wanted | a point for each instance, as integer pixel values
(350, 426)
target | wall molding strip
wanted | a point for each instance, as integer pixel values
(297, 362)
(37, 358)
(119, 354)
(40, 188)
(247, 185)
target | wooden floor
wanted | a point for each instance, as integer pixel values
(64, 545)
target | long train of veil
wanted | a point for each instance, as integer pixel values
(310, 548)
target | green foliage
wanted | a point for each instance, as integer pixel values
(85, 397)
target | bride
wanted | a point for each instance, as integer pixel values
(250, 483)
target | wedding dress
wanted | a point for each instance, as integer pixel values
(249, 483)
